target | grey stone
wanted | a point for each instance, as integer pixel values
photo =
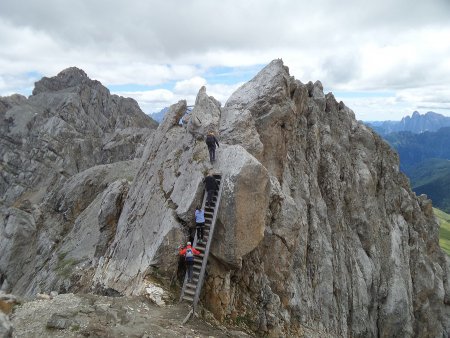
(6, 328)
(205, 115)
(60, 321)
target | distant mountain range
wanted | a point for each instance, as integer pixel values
(158, 116)
(423, 144)
(416, 123)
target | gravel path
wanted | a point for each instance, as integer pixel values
(70, 315)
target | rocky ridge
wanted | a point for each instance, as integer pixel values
(317, 229)
(67, 151)
(317, 226)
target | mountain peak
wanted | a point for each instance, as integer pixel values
(73, 72)
(67, 78)
(272, 76)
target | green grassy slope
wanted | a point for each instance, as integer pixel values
(444, 233)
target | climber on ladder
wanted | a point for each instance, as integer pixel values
(210, 187)
(188, 252)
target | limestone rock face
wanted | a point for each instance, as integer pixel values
(66, 152)
(347, 246)
(159, 205)
(69, 124)
(6, 328)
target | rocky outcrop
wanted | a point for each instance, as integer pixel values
(317, 228)
(69, 124)
(150, 227)
(345, 241)
(66, 152)
(205, 115)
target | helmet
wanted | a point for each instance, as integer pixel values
(188, 243)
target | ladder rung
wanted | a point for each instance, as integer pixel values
(189, 292)
(191, 286)
(188, 298)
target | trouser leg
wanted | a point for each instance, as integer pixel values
(190, 266)
(210, 196)
(211, 154)
(200, 231)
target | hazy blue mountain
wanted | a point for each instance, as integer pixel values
(158, 116)
(416, 123)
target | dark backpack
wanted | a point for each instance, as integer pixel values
(210, 141)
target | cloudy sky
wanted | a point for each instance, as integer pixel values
(383, 58)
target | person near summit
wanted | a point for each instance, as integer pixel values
(199, 223)
(211, 186)
(211, 142)
(189, 252)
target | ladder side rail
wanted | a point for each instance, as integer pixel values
(208, 245)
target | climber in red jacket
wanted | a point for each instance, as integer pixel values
(188, 252)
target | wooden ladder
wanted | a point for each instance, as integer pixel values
(191, 291)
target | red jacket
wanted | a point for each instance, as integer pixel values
(194, 250)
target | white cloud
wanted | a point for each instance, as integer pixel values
(152, 101)
(189, 86)
(353, 46)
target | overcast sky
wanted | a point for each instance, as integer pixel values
(383, 58)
